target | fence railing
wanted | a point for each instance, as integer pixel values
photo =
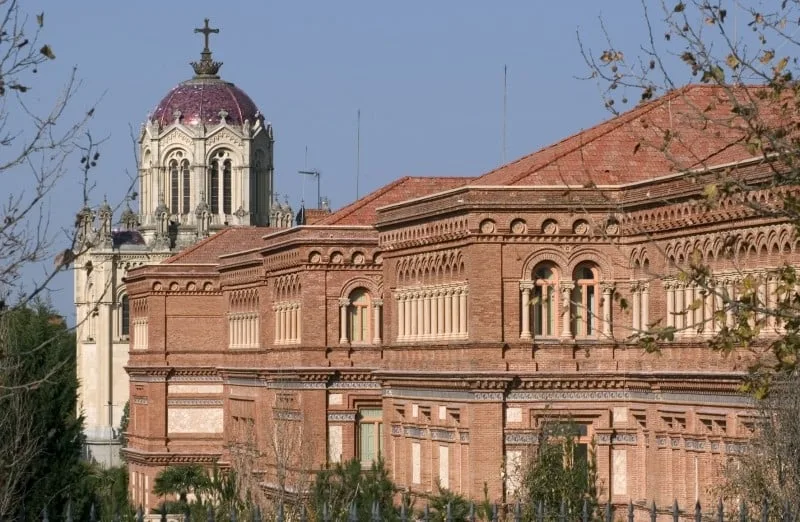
(516, 512)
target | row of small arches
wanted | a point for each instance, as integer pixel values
(773, 241)
(243, 300)
(287, 287)
(433, 267)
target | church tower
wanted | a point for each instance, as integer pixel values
(205, 159)
(205, 163)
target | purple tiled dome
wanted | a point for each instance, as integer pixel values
(201, 100)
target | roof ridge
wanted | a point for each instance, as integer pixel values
(607, 125)
(359, 203)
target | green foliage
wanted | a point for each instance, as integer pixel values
(40, 433)
(182, 480)
(346, 485)
(458, 505)
(561, 469)
(123, 425)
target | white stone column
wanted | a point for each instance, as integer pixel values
(455, 306)
(448, 312)
(426, 313)
(298, 310)
(277, 327)
(408, 312)
(440, 312)
(688, 299)
(377, 304)
(669, 291)
(680, 312)
(343, 304)
(772, 301)
(608, 291)
(526, 287)
(416, 318)
(566, 290)
(434, 311)
(462, 311)
(730, 289)
(708, 309)
(401, 317)
(636, 302)
(645, 319)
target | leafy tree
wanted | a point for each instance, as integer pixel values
(459, 507)
(347, 486)
(182, 480)
(40, 433)
(560, 470)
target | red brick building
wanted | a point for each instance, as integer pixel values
(439, 322)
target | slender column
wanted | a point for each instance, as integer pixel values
(401, 317)
(456, 319)
(645, 288)
(680, 312)
(526, 287)
(669, 290)
(699, 311)
(343, 304)
(708, 309)
(295, 321)
(377, 304)
(448, 312)
(407, 321)
(688, 299)
(439, 312)
(416, 319)
(637, 307)
(772, 301)
(277, 323)
(230, 330)
(608, 290)
(762, 299)
(298, 310)
(462, 311)
(566, 290)
(426, 313)
(257, 323)
(730, 289)
(434, 311)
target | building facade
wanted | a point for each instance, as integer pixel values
(205, 164)
(440, 323)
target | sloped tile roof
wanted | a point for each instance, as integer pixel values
(363, 211)
(630, 147)
(226, 241)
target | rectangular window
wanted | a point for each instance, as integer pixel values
(186, 190)
(174, 191)
(370, 434)
(214, 182)
(125, 317)
(226, 187)
(359, 324)
(444, 467)
(416, 462)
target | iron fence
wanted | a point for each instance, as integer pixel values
(516, 512)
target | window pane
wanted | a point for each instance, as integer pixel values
(590, 311)
(368, 444)
(125, 320)
(226, 187)
(214, 182)
(186, 187)
(173, 206)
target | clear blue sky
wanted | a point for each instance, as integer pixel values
(426, 75)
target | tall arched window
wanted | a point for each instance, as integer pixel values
(358, 323)
(226, 187)
(173, 187)
(125, 317)
(221, 182)
(544, 301)
(583, 301)
(186, 188)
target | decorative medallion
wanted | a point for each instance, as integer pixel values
(337, 257)
(581, 227)
(173, 286)
(315, 257)
(156, 286)
(378, 259)
(487, 226)
(358, 258)
(207, 287)
(191, 287)
(518, 226)
(550, 227)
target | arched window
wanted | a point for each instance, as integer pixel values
(173, 186)
(221, 182)
(583, 301)
(125, 317)
(544, 301)
(186, 188)
(226, 187)
(358, 323)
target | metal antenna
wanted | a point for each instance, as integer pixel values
(358, 148)
(505, 109)
(315, 173)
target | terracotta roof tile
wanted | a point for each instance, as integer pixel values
(227, 241)
(704, 132)
(363, 211)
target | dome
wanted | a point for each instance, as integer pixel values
(200, 100)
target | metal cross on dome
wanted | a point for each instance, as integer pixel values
(206, 30)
